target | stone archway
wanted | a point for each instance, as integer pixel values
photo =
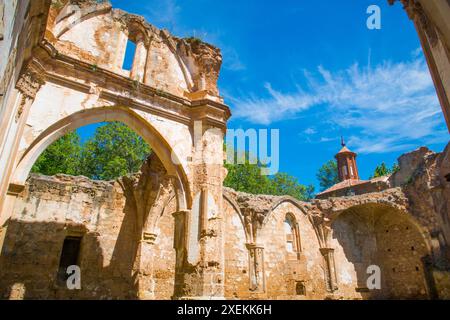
(143, 128)
(74, 76)
(380, 235)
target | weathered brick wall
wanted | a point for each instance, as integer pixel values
(379, 235)
(395, 229)
(164, 255)
(401, 250)
(285, 269)
(98, 34)
(236, 255)
(53, 208)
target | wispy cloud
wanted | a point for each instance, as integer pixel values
(310, 131)
(166, 14)
(163, 13)
(388, 107)
(231, 59)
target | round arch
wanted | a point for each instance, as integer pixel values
(142, 127)
(71, 15)
(388, 237)
(392, 209)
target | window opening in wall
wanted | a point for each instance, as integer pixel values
(344, 170)
(292, 236)
(69, 256)
(300, 288)
(129, 56)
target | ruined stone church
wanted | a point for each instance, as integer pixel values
(172, 231)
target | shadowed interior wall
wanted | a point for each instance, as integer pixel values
(52, 208)
(383, 236)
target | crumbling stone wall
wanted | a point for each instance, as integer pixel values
(53, 208)
(424, 177)
(399, 228)
(234, 247)
(98, 34)
(105, 216)
(74, 76)
(237, 279)
(128, 241)
(286, 271)
(379, 235)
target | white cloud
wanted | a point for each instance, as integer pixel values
(163, 13)
(388, 107)
(231, 60)
(310, 131)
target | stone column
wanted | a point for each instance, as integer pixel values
(140, 60)
(180, 245)
(256, 268)
(145, 282)
(330, 268)
(435, 51)
(202, 275)
(28, 85)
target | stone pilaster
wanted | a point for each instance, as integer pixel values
(256, 268)
(29, 83)
(203, 266)
(144, 278)
(330, 268)
(140, 60)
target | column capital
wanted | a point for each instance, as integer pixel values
(326, 251)
(31, 80)
(254, 246)
(15, 189)
(180, 213)
(148, 237)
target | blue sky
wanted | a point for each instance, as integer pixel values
(313, 70)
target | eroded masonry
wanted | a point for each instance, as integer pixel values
(172, 231)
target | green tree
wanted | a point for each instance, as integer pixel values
(328, 175)
(382, 170)
(62, 156)
(113, 151)
(247, 178)
(284, 184)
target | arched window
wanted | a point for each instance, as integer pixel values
(292, 235)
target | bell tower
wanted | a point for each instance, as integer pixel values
(346, 162)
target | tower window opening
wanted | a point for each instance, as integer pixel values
(130, 52)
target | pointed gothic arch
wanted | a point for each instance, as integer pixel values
(159, 145)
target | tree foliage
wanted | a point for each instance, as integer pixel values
(382, 170)
(113, 151)
(328, 175)
(247, 178)
(63, 156)
(285, 184)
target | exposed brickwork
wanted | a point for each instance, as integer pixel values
(172, 230)
(338, 239)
